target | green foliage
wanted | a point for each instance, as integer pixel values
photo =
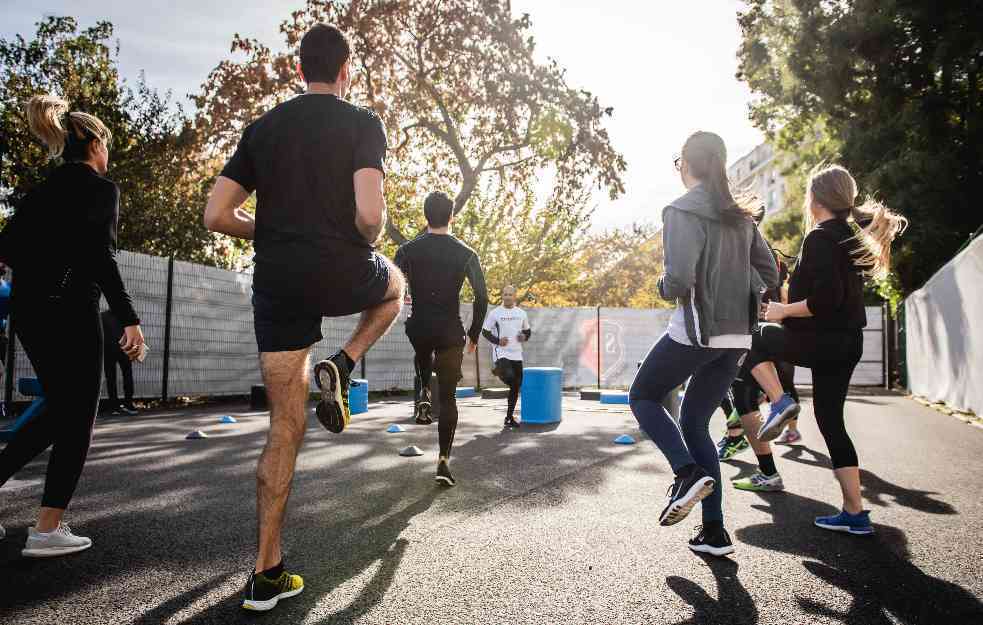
(153, 148)
(892, 90)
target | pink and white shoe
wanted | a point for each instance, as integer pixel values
(789, 437)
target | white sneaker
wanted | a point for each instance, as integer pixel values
(58, 542)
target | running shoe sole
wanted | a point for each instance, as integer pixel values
(713, 551)
(424, 413)
(52, 552)
(446, 481)
(757, 489)
(262, 606)
(678, 511)
(329, 410)
(846, 529)
(770, 430)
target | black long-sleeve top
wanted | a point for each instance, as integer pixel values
(829, 280)
(61, 242)
(436, 266)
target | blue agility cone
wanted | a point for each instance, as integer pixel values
(195, 435)
(395, 428)
(228, 419)
(624, 439)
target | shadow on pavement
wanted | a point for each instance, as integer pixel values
(875, 489)
(875, 571)
(733, 603)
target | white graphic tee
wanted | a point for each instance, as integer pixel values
(507, 323)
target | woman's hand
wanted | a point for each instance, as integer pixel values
(773, 312)
(132, 341)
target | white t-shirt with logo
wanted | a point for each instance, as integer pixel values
(507, 323)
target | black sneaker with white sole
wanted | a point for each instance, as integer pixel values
(423, 411)
(263, 593)
(333, 379)
(716, 542)
(690, 486)
(444, 474)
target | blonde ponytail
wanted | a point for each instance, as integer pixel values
(44, 117)
(834, 188)
(64, 134)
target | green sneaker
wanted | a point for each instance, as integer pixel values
(733, 420)
(759, 482)
(263, 593)
(727, 449)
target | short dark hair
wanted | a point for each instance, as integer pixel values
(438, 208)
(323, 50)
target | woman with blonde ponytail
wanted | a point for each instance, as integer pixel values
(61, 244)
(822, 325)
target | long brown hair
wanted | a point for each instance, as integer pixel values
(66, 134)
(834, 188)
(706, 156)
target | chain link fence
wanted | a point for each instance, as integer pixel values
(198, 324)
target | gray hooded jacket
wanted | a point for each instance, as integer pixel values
(715, 271)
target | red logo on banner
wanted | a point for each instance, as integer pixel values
(612, 346)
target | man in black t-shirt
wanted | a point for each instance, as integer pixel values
(436, 264)
(316, 164)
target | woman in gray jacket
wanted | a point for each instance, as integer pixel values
(711, 245)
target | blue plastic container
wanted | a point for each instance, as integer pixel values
(358, 396)
(614, 397)
(464, 392)
(542, 395)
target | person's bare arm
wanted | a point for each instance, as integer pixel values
(370, 203)
(224, 213)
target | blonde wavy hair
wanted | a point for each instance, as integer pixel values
(66, 134)
(834, 188)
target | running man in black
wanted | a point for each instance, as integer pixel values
(435, 265)
(61, 244)
(316, 165)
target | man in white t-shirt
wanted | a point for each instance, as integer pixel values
(507, 328)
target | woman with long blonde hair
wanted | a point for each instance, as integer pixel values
(61, 244)
(822, 325)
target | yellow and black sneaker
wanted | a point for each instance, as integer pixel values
(263, 593)
(333, 378)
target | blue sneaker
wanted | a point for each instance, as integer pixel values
(858, 524)
(779, 413)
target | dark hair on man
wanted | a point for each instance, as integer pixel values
(323, 50)
(438, 208)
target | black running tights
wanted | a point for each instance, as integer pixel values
(65, 346)
(832, 356)
(447, 364)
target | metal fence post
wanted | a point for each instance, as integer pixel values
(599, 347)
(167, 329)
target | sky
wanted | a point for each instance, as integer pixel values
(667, 68)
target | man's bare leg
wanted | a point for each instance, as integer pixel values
(376, 321)
(287, 379)
(766, 375)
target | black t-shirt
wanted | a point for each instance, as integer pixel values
(436, 266)
(829, 280)
(300, 158)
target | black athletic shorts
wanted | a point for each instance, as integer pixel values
(288, 317)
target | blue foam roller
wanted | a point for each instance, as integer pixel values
(614, 397)
(228, 419)
(465, 391)
(395, 428)
(624, 439)
(358, 396)
(542, 395)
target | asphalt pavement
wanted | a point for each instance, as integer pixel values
(548, 524)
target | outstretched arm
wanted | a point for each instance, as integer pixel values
(224, 213)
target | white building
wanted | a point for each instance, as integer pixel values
(757, 172)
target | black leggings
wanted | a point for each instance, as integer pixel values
(832, 356)
(510, 372)
(747, 392)
(113, 356)
(65, 346)
(447, 364)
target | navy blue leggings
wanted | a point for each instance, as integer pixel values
(667, 365)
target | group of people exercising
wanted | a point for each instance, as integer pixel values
(316, 164)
